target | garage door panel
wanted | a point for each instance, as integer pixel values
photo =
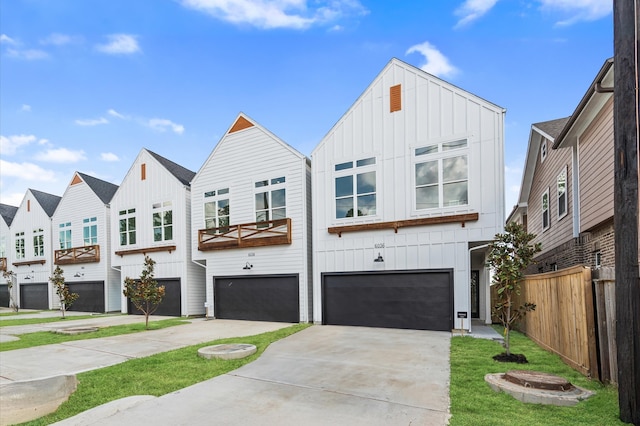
(257, 298)
(90, 296)
(413, 300)
(34, 296)
(171, 303)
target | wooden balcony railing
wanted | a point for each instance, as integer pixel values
(3, 263)
(75, 255)
(260, 234)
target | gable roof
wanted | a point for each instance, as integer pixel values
(47, 201)
(104, 190)
(551, 129)
(183, 174)
(8, 213)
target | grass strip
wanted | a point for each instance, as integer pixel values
(473, 402)
(40, 338)
(7, 314)
(157, 374)
(29, 321)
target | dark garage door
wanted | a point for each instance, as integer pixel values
(90, 296)
(420, 300)
(34, 296)
(4, 295)
(170, 305)
(257, 298)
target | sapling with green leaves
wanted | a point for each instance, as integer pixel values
(62, 290)
(510, 254)
(10, 276)
(145, 293)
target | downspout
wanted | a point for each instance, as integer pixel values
(487, 299)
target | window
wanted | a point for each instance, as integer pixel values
(216, 209)
(545, 210)
(441, 175)
(271, 200)
(65, 235)
(355, 188)
(554, 266)
(598, 258)
(20, 245)
(38, 242)
(562, 193)
(127, 227)
(90, 231)
(543, 150)
(162, 221)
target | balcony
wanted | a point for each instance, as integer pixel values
(3, 264)
(260, 234)
(87, 254)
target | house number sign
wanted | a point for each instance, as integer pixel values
(378, 245)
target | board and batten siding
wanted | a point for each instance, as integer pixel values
(79, 202)
(158, 186)
(432, 111)
(240, 159)
(595, 150)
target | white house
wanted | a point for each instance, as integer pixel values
(82, 226)
(408, 189)
(251, 226)
(32, 245)
(7, 213)
(151, 215)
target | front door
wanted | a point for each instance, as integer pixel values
(475, 294)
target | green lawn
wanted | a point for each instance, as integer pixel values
(29, 321)
(40, 338)
(157, 374)
(474, 403)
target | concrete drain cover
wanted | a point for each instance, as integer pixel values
(76, 330)
(227, 351)
(537, 388)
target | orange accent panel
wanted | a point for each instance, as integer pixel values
(143, 171)
(28, 205)
(240, 124)
(76, 180)
(395, 101)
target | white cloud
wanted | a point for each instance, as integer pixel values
(162, 125)
(579, 10)
(5, 39)
(11, 199)
(25, 108)
(61, 155)
(436, 63)
(10, 144)
(27, 54)
(109, 157)
(120, 44)
(26, 171)
(57, 39)
(92, 121)
(471, 10)
(266, 14)
(114, 113)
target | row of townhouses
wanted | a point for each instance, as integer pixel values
(387, 224)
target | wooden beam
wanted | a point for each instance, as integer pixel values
(30, 262)
(425, 221)
(626, 18)
(145, 250)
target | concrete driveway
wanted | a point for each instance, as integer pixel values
(323, 375)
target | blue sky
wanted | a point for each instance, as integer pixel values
(84, 85)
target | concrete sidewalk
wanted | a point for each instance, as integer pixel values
(83, 355)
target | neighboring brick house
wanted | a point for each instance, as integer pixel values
(566, 197)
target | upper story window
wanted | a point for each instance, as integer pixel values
(38, 242)
(543, 150)
(162, 221)
(216, 209)
(90, 231)
(127, 227)
(561, 185)
(20, 245)
(270, 199)
(64, 235)
(545, 210)
(441, 175)
(355, 188)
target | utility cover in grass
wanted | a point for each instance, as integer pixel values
(227, 351)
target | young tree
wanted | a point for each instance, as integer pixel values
(510, 254)
(145, 293)
(62, 290)
(10, 276)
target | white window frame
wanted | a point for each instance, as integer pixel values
(543, 150)
(20, 250)
(91, 228)
(438, 152)
(64, 236)
(269, 186)
(355, 168)
(545, 211)
(559, 195)
(215, 197)
(125, 215)
(162, 230)
(38, 242)
(597, 258)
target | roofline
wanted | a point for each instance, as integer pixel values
(593, 88)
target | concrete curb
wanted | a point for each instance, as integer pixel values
(97, 414)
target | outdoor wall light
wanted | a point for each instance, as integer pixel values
(78, 275)
(28, 277)
(247, 266)
(379, 258)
